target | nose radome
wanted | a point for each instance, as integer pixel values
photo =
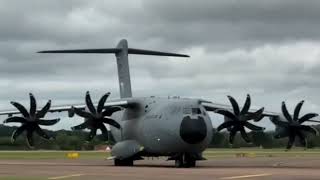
(194, 130)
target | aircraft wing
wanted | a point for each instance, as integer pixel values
(61, 108)
(209, 106)
(214, 106)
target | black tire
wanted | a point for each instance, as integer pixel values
(123, 162)
(179, 162)
(117, 162)
(190, 163)
(129, 163)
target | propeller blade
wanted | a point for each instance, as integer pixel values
(33, 105)
(253, 127)
(285, 112)
(256, 116)
(225, 125)
(111, 122)
(82, 113)
(232, 134)
(89, 103)
(92, 134)
(302, 139)
(21, 108)
(17, 132)
(41, 133)
(244, 135)
(15, 120)
(227, 114)
(297, 111)
(48, 122)
(292, 137)
(104, 131)
(30, 141)
(110, 110)
(81, 126)
(102, 101)
(246, 105)
(307, 117)
(235, 105)
(31, 120)
(309, 129)
(238, 120)
(44, 110)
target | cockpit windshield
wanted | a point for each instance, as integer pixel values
(193, 111)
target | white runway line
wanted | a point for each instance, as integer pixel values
(246, 176)
(67, 176)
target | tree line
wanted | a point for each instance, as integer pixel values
(76, 140)
(63, 140)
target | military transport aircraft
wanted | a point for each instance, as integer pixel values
(179, 128)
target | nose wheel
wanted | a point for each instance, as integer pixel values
(185, 161)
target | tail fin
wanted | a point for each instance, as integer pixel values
(121, 52)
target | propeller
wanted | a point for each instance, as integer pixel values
(95, 118)
(31, 121)
(292, 126)
(238, 119)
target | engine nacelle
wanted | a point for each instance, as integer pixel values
(280, 132)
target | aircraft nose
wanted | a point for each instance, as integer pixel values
(194, 130)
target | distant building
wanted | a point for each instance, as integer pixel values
(102, 147)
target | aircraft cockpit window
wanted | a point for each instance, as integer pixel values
(196, 111)
(187, 110)
(191, 111)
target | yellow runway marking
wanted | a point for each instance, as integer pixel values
(67, 176)
(246, 176)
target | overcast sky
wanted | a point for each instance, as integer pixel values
(269, 49)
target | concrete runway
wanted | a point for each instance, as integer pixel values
(227, 168)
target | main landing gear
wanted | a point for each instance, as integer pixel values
(123, 162)
(185, 161)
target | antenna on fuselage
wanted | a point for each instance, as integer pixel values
(121, 52)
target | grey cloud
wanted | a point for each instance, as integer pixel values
(269, 49)
(233, 23)
(233, 11)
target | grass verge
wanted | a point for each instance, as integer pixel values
(209, 153)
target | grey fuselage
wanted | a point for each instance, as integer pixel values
(164, 126)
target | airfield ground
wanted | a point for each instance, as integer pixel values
(221, 164)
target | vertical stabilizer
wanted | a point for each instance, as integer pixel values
(123, 69)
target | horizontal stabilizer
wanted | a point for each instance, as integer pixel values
(97, 51)
(154, 53)
(121, 51)
(116, 50)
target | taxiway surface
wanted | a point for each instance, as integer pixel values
(226, 168)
